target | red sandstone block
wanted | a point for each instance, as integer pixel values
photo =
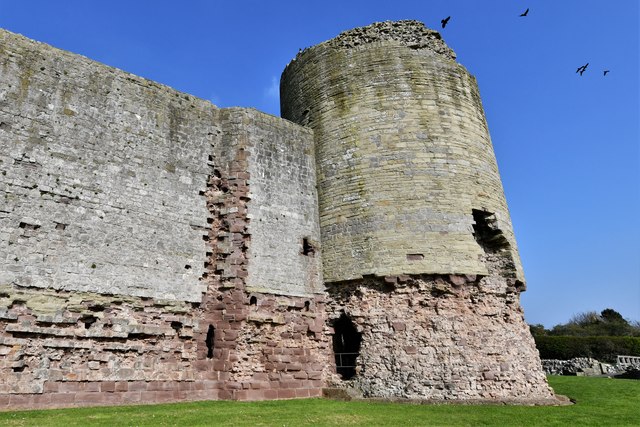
(258, 385)
(225, 394)
(286, 394)
(230, 335)
(158, 386)
(255, 395)
(180, 395)
(91, 387)
(108, 386)
(210, 385)
(291, 384)
(234, 385)
(41, 401)
(301, 375)
(270, 394)
(226, 344)
(398, 326)
(185, 385)
(156, 396)
(315, 375)
(302, 392)
(90, 397)
(202, 365)
(62, 399)
(260, 376)
(122, 386)
(209, 375)
(51, 387)
(203, 395)
(316, 327)
(4, 400)
(130, 396)
(137, 386)
(69, 387)
(21, 400)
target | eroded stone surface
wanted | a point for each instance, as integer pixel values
(155, 248)
(440, 338)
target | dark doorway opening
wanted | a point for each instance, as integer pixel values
(346, 346)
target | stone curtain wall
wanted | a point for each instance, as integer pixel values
(404, 154)
(101, 174)
(127, 219)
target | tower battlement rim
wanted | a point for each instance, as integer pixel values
(410, 33)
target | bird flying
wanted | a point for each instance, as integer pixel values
(445, 21)
(525, 12)
(605, 72)
(582, 69)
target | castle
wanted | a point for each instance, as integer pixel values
(157, 248)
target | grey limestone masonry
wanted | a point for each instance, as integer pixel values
(403, 151)
(156, 248)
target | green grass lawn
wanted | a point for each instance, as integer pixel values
(599, 402)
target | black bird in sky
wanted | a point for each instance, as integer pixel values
(445, 21)
(525, 13)
(582, 69)
(605, 72)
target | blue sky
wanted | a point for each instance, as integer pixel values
(567, 146)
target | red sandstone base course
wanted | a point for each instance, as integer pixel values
(123, 393)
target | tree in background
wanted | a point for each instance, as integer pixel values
(602, 336)
(608, 323)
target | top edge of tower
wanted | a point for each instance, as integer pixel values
(411, 33)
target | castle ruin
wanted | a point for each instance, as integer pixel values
(156, 248)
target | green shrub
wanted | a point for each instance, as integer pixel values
(604, 349)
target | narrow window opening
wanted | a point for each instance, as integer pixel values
(346, 346)
(253, 301)
(307, 304)
(209, 341)
(307, 247)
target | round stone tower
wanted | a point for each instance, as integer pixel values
(418, 249)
